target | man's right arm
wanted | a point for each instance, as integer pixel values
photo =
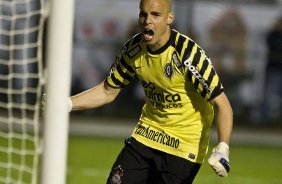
(94, 97)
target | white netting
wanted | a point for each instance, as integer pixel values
(21, 76)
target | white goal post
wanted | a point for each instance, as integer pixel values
(59, 52)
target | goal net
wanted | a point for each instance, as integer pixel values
(21, 81)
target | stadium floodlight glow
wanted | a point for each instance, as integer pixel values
(59, 51)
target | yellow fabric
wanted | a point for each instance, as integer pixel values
(178, 81)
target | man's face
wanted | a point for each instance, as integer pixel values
(154, 19)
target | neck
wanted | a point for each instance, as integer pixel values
(162, 42)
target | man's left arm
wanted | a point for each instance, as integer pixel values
(219, 160)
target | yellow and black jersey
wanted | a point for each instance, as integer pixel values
(178, 81)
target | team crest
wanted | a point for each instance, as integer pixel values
(116, 175)
(168, 70)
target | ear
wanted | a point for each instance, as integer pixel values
(170, 18)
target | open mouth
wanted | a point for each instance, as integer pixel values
(148, 34)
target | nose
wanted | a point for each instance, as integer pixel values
(148, 19)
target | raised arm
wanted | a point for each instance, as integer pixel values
(94, 97)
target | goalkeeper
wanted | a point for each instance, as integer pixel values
(184, 96)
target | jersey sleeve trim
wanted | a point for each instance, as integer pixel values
(216, 92)
(117, 82)
(114, 86)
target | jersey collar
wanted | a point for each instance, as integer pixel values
(168, 43)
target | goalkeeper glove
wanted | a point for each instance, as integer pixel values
(219, 160)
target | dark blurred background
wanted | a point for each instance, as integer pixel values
(242, 38)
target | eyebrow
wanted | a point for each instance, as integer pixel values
(153, 12)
